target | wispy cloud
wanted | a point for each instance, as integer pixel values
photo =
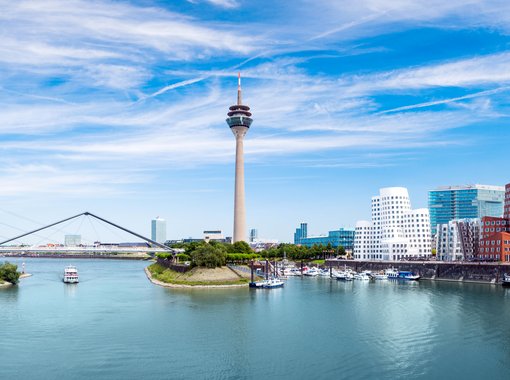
(447, 101)
(111, 86)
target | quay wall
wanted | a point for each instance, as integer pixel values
(489, 273)
(170, 264)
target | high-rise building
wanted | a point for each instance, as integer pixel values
(396, 231)
(239, 120)
(336, 238)
(254, 235)
(458, 240)
(158, 230)
(301, 233)
(463, 202)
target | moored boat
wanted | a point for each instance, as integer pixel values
(345, 275)
(379, 276)
(407, 275)
(401, 274)
(392, 273)
(273, 283)
(312, 272)
(70, 275)
(506, 280)
(363, 276)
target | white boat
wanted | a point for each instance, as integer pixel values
(324, 273)
(379, 276)
(273, 283)
(70, 275)
(363, 276)
(291, 272)
(312, 272)
(344, 276)
(506, 280)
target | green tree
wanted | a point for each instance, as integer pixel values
(209, 256)
(9, 272)
(241, 247)
(341, 251)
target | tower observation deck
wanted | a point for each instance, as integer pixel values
(239, 120)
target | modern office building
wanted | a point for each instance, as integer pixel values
(495, 235)
(463, 202)
(301, 233)
(158, 230)
(458, 240)
(254, 235)
(395, 231)
(239, 120)
(72, 240)
(341, 237)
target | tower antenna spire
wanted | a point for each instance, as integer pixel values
(239, 99)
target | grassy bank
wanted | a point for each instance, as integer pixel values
(196, 276)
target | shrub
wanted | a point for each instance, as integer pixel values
(164, 255)
(9, 272)
(183, 257)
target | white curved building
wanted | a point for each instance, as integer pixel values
(396, 231)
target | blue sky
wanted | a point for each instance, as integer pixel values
(119, 108)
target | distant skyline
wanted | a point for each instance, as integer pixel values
(101, 101)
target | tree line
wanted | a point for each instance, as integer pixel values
(215, 254)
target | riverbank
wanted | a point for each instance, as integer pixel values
(197, 277)
(5, 284)
(109, 256)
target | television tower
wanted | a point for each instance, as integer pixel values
(239, 121)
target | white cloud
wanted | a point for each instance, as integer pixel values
(479, 71)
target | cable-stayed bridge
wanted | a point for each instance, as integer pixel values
(149, 246)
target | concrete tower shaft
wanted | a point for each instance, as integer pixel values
(239, 121)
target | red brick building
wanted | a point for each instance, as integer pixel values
(495, 234)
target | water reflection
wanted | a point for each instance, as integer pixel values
(70, 290)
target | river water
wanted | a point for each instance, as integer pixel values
(115, 324)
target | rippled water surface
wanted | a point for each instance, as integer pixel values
(115, 324)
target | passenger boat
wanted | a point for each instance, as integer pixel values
(70, 275)
(401, 275)
(392, 273)
(506, 280)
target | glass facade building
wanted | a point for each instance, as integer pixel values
(463, 202)
(336, 238)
